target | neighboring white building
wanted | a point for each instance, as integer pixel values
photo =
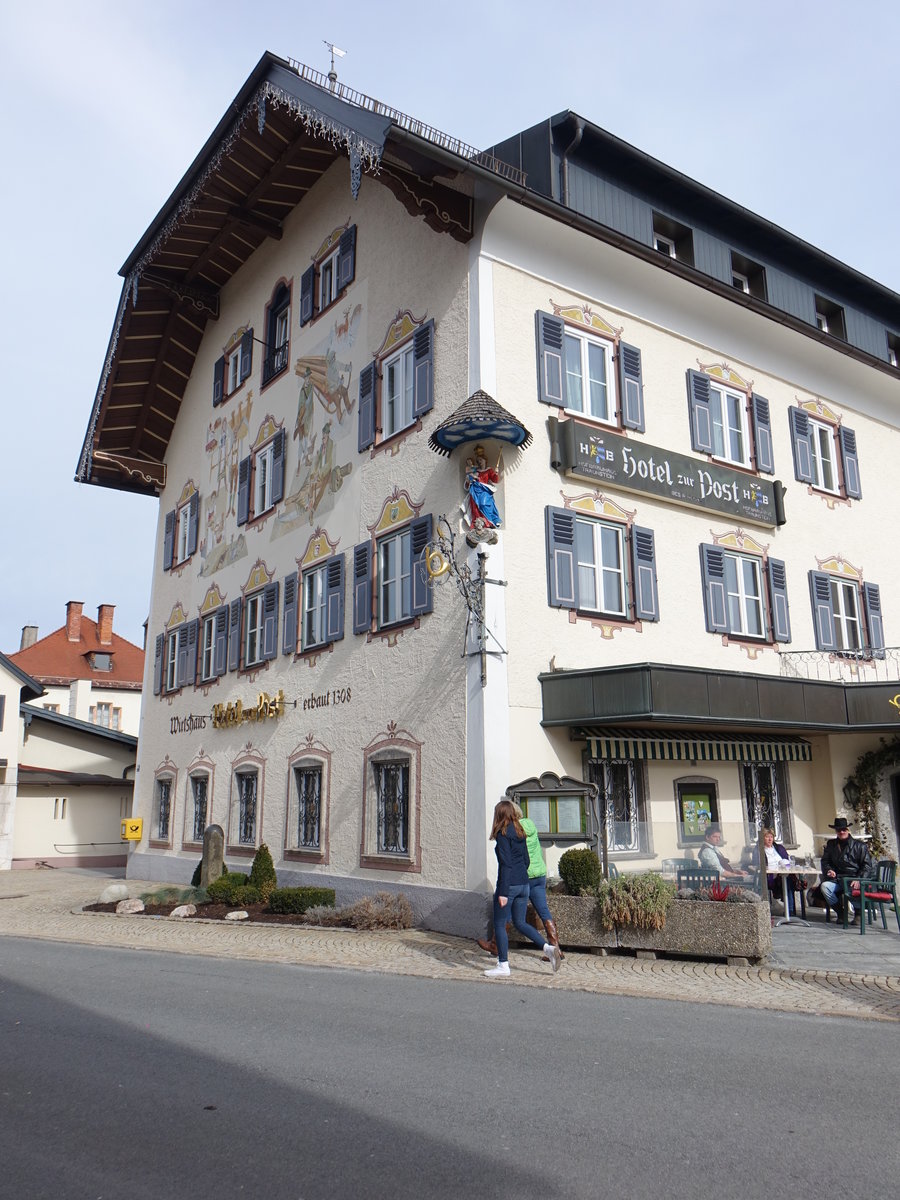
(87, 670)
(65, 784)
(690, 604)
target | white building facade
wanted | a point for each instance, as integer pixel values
(687, 606)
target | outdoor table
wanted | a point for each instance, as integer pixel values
(784, 872)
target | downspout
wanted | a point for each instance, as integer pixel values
(564, 165)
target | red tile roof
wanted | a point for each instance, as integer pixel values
(55, 659)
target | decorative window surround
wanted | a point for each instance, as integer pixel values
(202, 768)
(213, 638)
(278, 333)
(847, 617)
(585, 368)
(253, 622)
(744, 592)
(251, 764)
(391, 588)
(261, 474)
(393, 746)
(728, 421)
(181, 528)
(313, 615)
(600, 565)
(825, 454)
(696, 806)
(332, 271)
(175, 659)
(308, 756)
(396, 389)
(233, 368)
(162, 817)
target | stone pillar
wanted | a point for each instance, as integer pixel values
(213, 864)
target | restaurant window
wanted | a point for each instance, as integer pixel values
(621, 789)
(765, 797)
(696, 807)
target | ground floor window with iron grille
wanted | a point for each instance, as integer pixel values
(163, 809)
(308, 781)
(199, 790)
(765, 799)
(247, 785)
(620, 799)
(392, 789)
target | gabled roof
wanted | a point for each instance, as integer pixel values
(54, 659)
(29, 685)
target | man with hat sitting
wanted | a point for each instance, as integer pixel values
(844, 857)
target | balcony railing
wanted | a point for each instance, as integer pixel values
(865, 665)
(275, 362)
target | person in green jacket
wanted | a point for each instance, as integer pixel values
(537, 889)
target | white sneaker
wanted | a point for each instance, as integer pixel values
(552, 953)
(851, 912)
(499, 972)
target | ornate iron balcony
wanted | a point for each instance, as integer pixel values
(275, 362)
(865, 665)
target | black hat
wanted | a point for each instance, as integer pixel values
(839, 824)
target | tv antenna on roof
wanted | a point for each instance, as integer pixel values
(335, 50)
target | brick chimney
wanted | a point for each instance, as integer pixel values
(104, 623)
(29, 636)
(73, 620)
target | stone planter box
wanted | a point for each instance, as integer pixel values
(694, 928)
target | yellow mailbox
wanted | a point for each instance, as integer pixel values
(132, 828)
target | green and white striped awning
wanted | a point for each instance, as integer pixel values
(605, 743)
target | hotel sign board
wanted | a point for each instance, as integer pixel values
(610, 460)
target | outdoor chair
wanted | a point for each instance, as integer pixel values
(696, 878)
(670, 865)
(881, 891)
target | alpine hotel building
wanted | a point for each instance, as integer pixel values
(694, 420)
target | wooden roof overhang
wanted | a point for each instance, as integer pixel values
(278, 138)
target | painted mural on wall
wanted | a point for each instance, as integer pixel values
(323, 433)
(222, 542)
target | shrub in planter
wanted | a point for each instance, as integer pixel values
(223, 889)
(300, 899)
(262, 873)
(639, 900)
(580, 871)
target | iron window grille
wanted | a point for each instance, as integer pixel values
(392, 787)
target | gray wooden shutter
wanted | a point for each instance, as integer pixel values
(346, 263)
(243, 501)
(278, 466)
(700, 414)
(169, 541)
(334, 599)
(158, 663)
(289, 616)
(422, 590)
(778, 600)
(362, 587)
(423, 367)
(823, 610)
(871, 595)
(218, 381)
(234, 635)
(762, 434)
(847, 439)
(246, 354)
(220, 654)
(307, 291)
(193, 523)
(712, 567)
(366, 409)
(190, 653)
(562, 572)
(631, 387)
(550, 332)
(801, 445)
(181, 664)
(643, 553)
(270, 620)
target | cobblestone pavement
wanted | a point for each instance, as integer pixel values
(47, 904)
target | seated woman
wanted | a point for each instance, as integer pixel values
(712, 858)
(776, 857)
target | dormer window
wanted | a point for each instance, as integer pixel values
(673, 239)
(101, 662)
(830, 318)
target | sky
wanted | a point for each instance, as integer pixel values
(787, 107)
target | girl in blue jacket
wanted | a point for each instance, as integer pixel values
(511, 895)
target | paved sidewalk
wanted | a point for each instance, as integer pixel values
(47, 904)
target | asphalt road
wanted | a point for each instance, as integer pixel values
(140, 1076)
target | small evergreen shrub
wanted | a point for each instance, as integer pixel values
(262, 873)
(301, 899)
(580, 871)
(222, 890)
(640, 900)
(244, 894)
